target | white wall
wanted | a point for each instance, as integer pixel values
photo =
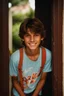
(10, 43)
(10, 30)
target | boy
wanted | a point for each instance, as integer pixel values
(32, 34)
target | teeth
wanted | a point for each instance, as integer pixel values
(32, 44)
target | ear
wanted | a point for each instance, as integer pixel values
(42, 38)
(22, 39)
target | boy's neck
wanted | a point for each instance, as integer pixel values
(32, 52)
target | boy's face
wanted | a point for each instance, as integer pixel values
(32, 40)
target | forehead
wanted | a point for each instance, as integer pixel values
(29, 30)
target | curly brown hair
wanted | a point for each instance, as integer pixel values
(34, 24)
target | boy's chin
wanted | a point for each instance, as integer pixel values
(33, 48)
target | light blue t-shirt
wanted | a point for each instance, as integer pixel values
(30, 69)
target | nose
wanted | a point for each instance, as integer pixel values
(32, 38)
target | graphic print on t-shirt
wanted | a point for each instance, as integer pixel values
(30, 79)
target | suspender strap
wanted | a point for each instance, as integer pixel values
(20, 68)
(43, 59)
(43, 56)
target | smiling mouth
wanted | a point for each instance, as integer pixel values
(32, 44)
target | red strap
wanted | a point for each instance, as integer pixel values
(20, 68)
(43, 56)
(43, 59)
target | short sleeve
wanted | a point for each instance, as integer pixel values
(13, 64)
(48, 65)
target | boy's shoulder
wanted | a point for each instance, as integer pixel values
(15, 54)
(48, 55)
(48, 52)
(46, 49)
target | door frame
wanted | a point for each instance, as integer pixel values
(55, 13)
(57, 22)
(4, 49)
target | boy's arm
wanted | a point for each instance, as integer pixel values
(40, 84)
(17, 86)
